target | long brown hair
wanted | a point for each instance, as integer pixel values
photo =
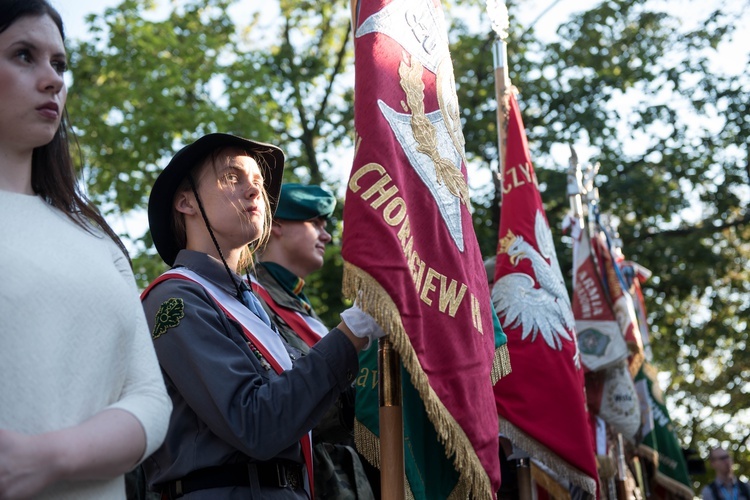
(53, 176)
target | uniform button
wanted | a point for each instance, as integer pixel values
(349, 376)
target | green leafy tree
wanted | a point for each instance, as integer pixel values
(297, 83)
(144, 87)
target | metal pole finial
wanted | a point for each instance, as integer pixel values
(498, 14)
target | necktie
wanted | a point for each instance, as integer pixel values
(252, 303)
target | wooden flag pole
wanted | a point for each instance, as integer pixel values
(523, 474)
(392, 482)
(621, 481)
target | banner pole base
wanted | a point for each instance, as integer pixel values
(392, 472)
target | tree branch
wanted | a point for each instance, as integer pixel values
(340, 55)
(706, 226)
(306, 138)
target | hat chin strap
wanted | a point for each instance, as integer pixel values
(213, 237)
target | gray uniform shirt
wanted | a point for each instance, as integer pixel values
(228, 408)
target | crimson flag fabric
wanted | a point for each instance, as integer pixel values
(600, 339)
(541, 403)
(622, 302)
(635, 274)
(412, 259)
(600, 323)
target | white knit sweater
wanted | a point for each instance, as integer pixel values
(73, 336)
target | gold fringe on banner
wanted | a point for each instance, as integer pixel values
(372, 298)
(550, 459)
(550, 484)
(501, 364)
(367, 443)
(606, 467)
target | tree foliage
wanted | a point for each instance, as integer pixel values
(144, 86)
(623, 80)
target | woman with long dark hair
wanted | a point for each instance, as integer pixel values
(82, 400)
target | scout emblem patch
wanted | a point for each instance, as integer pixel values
(168, 316)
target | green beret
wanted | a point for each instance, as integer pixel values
(300, 202)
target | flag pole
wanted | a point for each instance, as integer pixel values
(498, 14)
(592, 198)
(575, 188)
(392, 469)
(622, 485)
(392, 472)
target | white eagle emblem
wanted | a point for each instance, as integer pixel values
(544, 310)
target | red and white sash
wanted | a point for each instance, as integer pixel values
(267, 341)
(308, 328)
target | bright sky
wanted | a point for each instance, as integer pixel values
(74, 12)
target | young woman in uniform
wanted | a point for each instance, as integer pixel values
(244, 400)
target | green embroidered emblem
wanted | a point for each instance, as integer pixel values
(168, 316)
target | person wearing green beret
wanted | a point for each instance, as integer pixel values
(295, 249)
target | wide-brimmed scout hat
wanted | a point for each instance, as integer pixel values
(162, 194)
(302, 202)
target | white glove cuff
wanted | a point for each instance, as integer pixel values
(362, 324)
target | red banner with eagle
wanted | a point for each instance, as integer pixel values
(541, 404)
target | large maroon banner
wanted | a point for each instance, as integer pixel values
(412, 259)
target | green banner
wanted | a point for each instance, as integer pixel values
(429, 472)
(659, 443)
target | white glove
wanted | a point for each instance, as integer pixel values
(362, 324)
